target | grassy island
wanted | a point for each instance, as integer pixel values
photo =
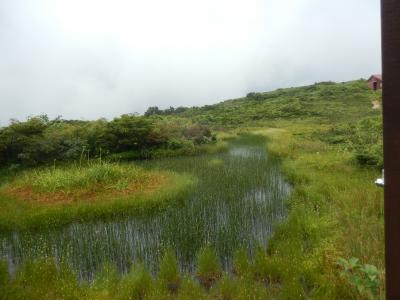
(54, 196)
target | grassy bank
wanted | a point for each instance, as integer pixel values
(336, 212)
(56, 196)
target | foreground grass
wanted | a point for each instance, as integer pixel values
(44, 280)
(57, 196)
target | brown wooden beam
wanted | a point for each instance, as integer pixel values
(390, 10)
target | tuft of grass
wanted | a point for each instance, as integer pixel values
(226, 288)
(43, 280)
(241, 265)
(250, 289)
(209, 269)
(266, 269)
(137, 284)
(191, 290)
(106, 279)
(169, 273)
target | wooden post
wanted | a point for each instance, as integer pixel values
(390, 10)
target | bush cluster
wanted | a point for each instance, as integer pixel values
(39, 140)
(363, 138)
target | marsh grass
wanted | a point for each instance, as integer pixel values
(169, 275)
(136, 284)
(236, 200)
(77, 183)
(241, 265)
(226, 288)
(56, 196)
(335, 211)
(108, 175)
(215, 163)
(44, 279)
(209, 268)
(4, 276)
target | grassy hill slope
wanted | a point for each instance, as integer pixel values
(324, 102)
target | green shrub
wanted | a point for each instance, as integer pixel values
(39, 140)
(364, 277)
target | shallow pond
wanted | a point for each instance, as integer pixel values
(239, 198)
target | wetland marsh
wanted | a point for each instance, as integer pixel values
(239, 197)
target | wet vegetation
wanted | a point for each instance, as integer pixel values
(55, 196)
(237, 199)
(239, 233)
(336, 212)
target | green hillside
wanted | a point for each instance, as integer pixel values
(322, 102)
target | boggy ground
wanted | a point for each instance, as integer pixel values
(59, 195)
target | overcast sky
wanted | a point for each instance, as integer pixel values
(88, 59)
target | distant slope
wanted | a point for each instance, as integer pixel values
(339, 114)
(324, 102)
